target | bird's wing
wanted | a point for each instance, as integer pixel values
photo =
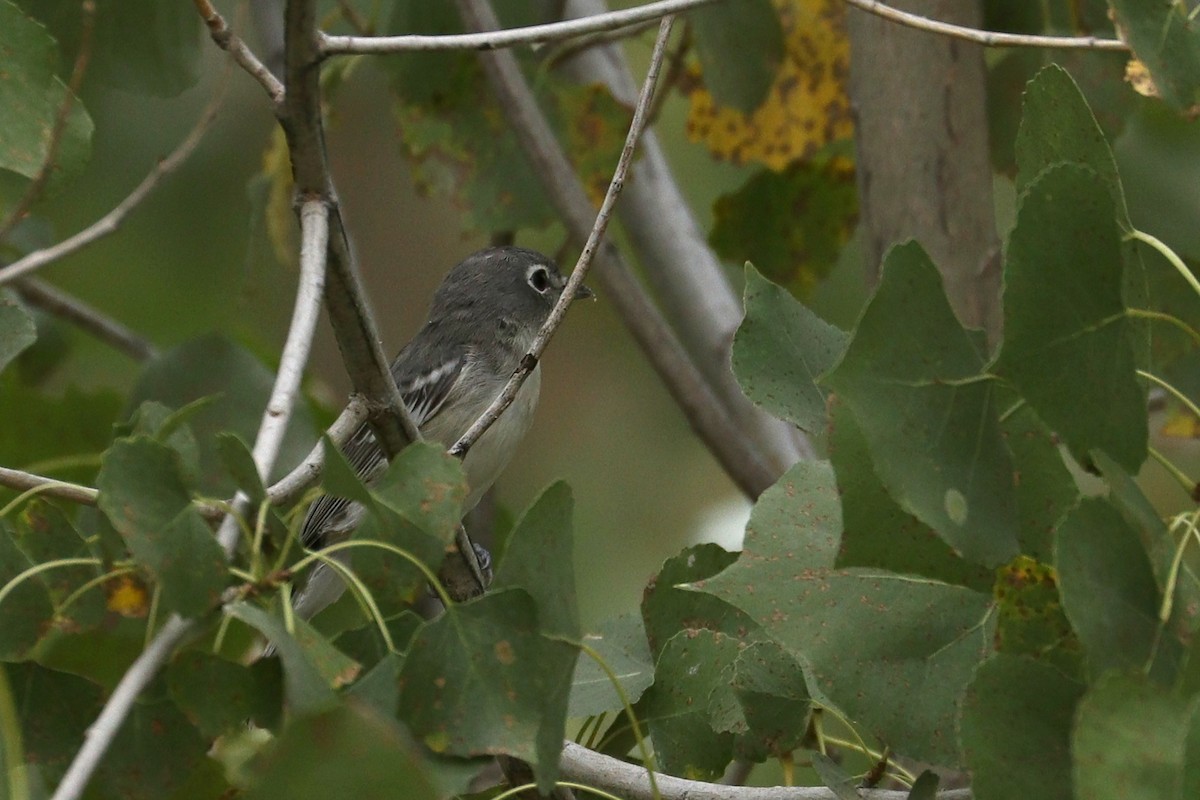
(424, 395)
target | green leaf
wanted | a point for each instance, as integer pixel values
(17, 330)
(779, 351)
(143, 494)
(1046, 489)
(925, 787)
(154, 754)
(538, 559)
(239, 461)
(667, 609)
(30, 98)
(394, 581)
(483, 680)
(210, 366)
(740, 45)
(1067, 345)
(1130, 740)
(894, 653)
(306, 690)
(44, 534)
(928, 413)
(843, 785)
(348, 751)
(1164, 37)
(691, 666)
(793, 224)
(219, 696)
(1109, 593)
(1019, 711)
(773, 703)
(339, 479)
(1030, 619)
(878, 532)
(426, 486)
(1058, 127)
(621, 642)
(52, 425)
(26, 610)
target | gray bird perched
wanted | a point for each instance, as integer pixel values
(482, 320)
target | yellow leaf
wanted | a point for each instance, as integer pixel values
(807, 106)
(1137, 76)
(1181, 425)
(128, 597)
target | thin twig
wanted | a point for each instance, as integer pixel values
(631, 781)
(314, 240)
(509, 393)
(23, 481)
(38, 184)
(495, 39)
(691, 284)
(654, 336)
(284, 491)
(55, 301)
(986, 38)
(111, 221)
(233, 44)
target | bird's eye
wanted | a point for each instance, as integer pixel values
(539, 279)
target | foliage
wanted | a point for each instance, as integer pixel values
(942, 586)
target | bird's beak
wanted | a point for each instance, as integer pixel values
(584, 293)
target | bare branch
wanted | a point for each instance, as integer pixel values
(630, 781)
(353, 325)
(494, 39)
(111, 221)
(314, 240)
(987, 38)
(559, 312)
(23, 481)
(231, 43)
(55, 301)
(289, 488)
(643, 319)
(35, 188)
(688, 279)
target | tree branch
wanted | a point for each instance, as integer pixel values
(655, 337)
(987, 38)
(111, 221)
(353, 325)
(559, 312)
(493, 39)
(631, 782)
(233, 44)
(314, 239)
(24, 481)
(53, 300)
(687, 277)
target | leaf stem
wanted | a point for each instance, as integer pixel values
(1170, 255)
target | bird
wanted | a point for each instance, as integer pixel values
(482, 321)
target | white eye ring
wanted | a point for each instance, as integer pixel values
(539, 278)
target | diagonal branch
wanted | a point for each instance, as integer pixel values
(688, 279)
(111, 221)
(53, 300)
(493, 39)
(230, 42)
(643, 319)
(509, 393)
(986, 38)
